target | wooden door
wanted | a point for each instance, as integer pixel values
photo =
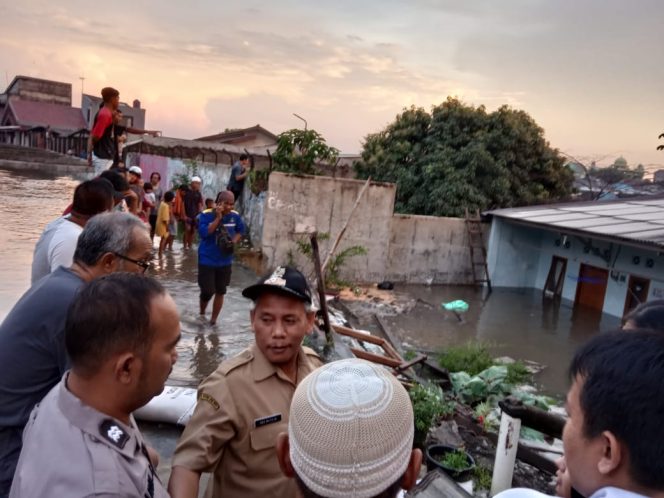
(553, 288)
(591, 287)
(637, 292)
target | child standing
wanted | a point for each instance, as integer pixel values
(149, 200)
(163, 221)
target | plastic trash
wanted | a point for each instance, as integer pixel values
(459, 306)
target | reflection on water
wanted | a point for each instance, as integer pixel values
(517, 323)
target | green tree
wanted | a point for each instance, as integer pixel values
(460, 156)
(299, 151)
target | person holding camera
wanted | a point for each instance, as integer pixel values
(220, 229)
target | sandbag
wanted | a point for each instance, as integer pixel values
(174, 405)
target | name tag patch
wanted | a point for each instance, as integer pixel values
(209, 399)
(270, 419)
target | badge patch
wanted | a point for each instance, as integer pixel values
(271, 419)
(209, 399)
(277, 278)
(113, 433)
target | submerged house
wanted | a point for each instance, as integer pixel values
(607, 256)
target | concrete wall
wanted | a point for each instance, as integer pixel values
(400, 248)
(428, 249)
(520, 256)
(296, 203)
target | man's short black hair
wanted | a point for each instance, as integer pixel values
(108, 93)
(622, 391)
(120, 183)
(93, 197)
(648, 316)
(169, 196)
(110, 315)
(243, 157)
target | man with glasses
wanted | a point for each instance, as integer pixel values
(32, 350)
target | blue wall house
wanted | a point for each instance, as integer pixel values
(608, 256)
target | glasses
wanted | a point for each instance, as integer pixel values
(143, 264)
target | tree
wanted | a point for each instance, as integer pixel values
(299, 151)
(460, 156)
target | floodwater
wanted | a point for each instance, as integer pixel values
(516, 323)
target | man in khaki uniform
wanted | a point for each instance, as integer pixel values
(82, 440)
(244, 404)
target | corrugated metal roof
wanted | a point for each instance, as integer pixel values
(636, 221)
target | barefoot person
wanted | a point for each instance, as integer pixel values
(163, 221)
(219, 229)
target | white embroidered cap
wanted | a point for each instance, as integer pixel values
(350, 429)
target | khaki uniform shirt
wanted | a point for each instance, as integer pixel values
(241, 409)
(71, 449)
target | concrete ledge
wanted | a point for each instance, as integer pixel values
(47, 169)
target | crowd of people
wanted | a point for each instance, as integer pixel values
(95, 337)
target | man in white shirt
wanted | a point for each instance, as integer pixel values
(57, 243)
(613, 436)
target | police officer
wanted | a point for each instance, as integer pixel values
(82, 440)
(244, 404)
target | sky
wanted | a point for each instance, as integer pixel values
(590, 72)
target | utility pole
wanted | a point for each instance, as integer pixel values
(82, 78)
(300, 117)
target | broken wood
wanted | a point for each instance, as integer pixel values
(329, 341)
(548, 423)
(376, 358)
(343, 230)
(435, 484)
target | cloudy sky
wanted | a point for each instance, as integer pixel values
(590, 72)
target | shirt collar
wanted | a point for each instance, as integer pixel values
(611, 492)
(263, 368)
(89, 420)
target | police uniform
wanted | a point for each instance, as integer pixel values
(241, 409)
(71, 449)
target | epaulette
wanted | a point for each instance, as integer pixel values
(237, 361)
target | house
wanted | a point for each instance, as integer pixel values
(38, 113)
(608, 256)
(246, 137)
(134, 114)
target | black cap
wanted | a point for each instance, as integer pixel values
(283, 280)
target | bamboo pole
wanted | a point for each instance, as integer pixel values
(343, 230)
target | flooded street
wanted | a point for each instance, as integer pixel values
(516, 323)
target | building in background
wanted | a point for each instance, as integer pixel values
(607, 256)
(35, 112)
(245, 137)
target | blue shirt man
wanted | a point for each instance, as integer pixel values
(214, 260)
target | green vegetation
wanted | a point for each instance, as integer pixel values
(337, 261)
(518, 373)
(454, 460)
(472, 358)
(460, 157)
(409, 355)
(428, 405)
(183, 179)
(482, 476)
(299, 151)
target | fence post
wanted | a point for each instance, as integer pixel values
(508, 443)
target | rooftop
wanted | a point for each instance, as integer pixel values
(637, 221)
(62, 119)
(239, 135)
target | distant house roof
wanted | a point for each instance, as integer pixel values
(20, 77)
(239, 136)
(62, 119)
(638, 221)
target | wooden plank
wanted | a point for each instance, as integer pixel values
(418, 359)
(358, 335)
(436, 484)
(376, 358)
